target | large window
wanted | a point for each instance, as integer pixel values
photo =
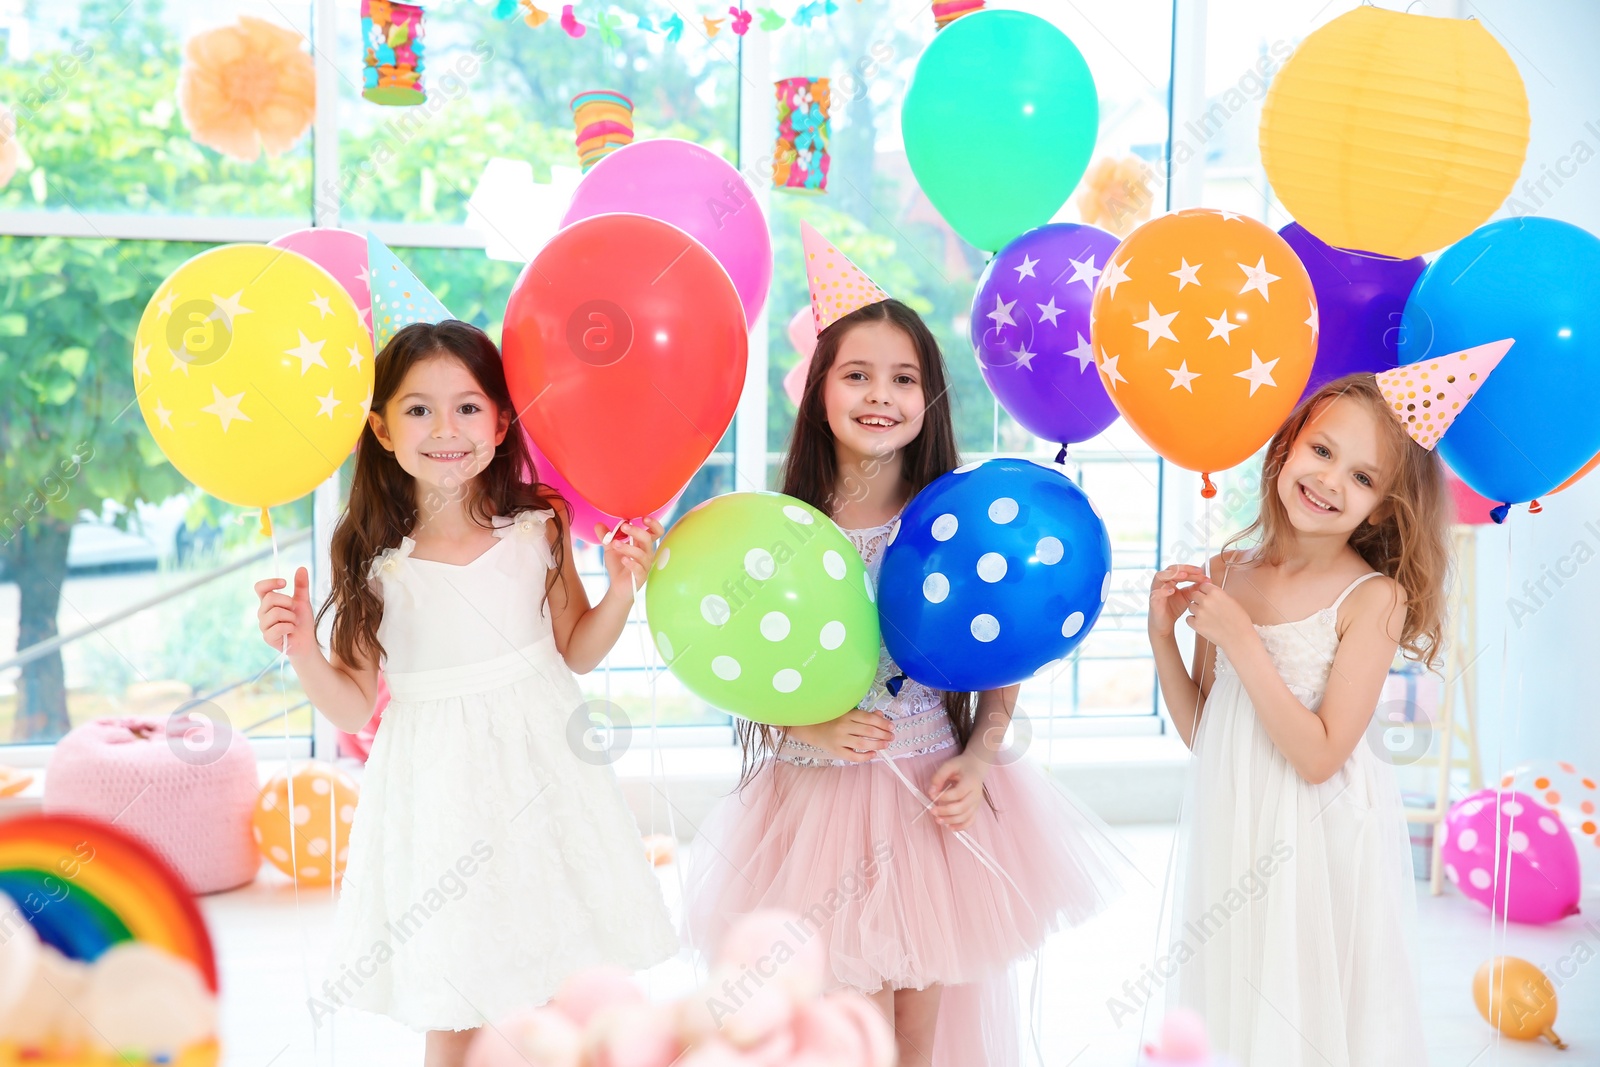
(113, 585)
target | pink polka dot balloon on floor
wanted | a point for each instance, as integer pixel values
(1524, 869)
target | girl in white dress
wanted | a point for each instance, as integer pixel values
(492, 854)
(1294, 913)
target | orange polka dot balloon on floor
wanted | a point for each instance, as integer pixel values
(298, 845)
(1573, 793)
(1204, 327)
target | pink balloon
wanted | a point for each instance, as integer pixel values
(584, 514)
(339, 252)
(694, 189)
(1538, 878)
(803, 335)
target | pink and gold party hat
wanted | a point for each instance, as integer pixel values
(838, 286)
(1428, 395)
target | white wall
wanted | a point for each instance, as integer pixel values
(1544, 704)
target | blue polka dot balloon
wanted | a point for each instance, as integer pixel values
(996, 569)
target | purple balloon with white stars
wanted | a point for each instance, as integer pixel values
(1030, 331)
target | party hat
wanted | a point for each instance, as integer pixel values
(1428, 395)
(398, 298)
(838, 286)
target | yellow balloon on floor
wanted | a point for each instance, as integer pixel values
(254, 373)
(296, 840)
(1515, 996)
(1395, 133)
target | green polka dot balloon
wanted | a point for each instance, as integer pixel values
(762, 607)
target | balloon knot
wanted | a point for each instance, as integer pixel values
(1207, 490)
(1499, 512)
(1061, 457)
(895, 683)
(1534, 507)
(266, 523)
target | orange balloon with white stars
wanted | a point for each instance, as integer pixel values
(308, 839)
(1204, 326)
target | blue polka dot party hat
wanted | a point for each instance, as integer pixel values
(398, 297)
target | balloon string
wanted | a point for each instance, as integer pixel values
(288, 773)
(961, 835)
(1168, 881)
(994, 867)
(647, 655)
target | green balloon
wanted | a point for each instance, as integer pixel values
(999, 121)
(762, 607)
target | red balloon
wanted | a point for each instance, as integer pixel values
(625, 351)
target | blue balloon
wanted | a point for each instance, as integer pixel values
(996, 569)
(1531, 424)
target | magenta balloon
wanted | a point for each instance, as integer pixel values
(584, 514)
(695, 190)
(342, 254)
(1514, 857)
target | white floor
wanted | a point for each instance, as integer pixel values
(269, 947)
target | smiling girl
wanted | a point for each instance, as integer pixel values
(1292, 926)
(822, 825)
(453, 571)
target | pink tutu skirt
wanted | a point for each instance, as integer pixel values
(899, 900)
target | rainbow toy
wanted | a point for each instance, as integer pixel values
(84, 886)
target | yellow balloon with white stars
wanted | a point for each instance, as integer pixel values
(254, 373)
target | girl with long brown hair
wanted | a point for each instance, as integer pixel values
(1292, 923)
(491, 855)
(822, 825)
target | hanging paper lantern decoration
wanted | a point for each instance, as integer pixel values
(604, 120)
(1395, 133)
(800, 160)
(247, 87)
(947, 11)
(392, 57)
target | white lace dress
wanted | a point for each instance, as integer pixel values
(488, 860)
(1294, 916)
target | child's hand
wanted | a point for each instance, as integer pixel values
(853, 736)
(287, 617)
(631, 553)
(957, 789)
(1217, 617)
(1170, 592)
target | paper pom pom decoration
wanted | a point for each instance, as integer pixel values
(391, 60)
(301, 850)
(800, 159)
(600, 1018)
(1395, 133)
(245, 88)
(1427, 396)
(604, 121)
(1115, 194)
(947, 11)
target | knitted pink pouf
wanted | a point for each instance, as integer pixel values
(185, 786)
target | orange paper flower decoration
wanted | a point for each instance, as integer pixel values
(247, 87)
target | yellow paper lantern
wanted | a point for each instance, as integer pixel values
(298, 842)
(1395, 133)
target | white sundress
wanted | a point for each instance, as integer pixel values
(488, 861)
(1295, 913)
